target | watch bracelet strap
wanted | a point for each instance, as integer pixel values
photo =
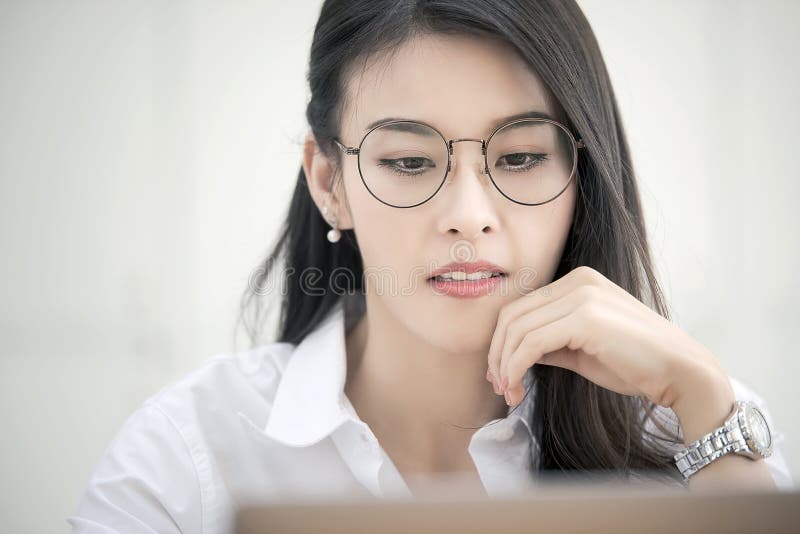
(712, 446)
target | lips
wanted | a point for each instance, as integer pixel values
(468, 268)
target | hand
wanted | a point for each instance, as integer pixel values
(586, 323)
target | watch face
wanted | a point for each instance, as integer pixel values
(758, 427)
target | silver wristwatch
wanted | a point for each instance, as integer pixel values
(744, 432)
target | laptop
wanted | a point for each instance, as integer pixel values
(553, 507)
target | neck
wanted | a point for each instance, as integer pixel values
(415, 396)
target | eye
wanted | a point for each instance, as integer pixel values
(521, 161)
(407, 166)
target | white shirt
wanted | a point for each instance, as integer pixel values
(274, 422)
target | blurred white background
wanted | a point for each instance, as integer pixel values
(148, 150)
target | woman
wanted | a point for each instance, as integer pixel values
(466, 209)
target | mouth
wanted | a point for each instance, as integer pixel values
(467, 272)
(467, 280)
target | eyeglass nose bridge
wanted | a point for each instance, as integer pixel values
(450, 154)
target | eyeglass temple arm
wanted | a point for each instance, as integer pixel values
(346, 149)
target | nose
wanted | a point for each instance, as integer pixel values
(468, 198)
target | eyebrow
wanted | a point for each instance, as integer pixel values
(531, 114)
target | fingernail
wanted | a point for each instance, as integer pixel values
(507, 399)
(488, 375)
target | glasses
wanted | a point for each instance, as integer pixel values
(403, 163)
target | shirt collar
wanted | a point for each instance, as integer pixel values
(309, 403)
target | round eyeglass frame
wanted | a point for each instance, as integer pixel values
(576, 144)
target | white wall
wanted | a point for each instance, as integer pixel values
(148, 150)
(708, 92)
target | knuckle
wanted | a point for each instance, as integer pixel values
(591, 275)
(588, 293)
(531, 342)
(513, 333)
(588, 312)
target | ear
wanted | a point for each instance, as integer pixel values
(319, 171)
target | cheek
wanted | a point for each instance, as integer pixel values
(538, 237)
(384, 233)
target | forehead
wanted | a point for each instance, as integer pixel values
(462, 85)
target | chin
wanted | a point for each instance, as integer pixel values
(446, 324)
(459, 337)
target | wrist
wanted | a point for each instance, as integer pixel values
(704, 402)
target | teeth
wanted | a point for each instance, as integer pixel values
(461, 275)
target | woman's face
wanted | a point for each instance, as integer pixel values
(463, 86)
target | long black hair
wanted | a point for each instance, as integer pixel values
(581, 427)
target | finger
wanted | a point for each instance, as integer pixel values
(545, 294)
(506, 316)
(536, 343)
(561, 358)
(537, 347)
(567, 359)
(583, 364)
(543, 314)
(590, 368)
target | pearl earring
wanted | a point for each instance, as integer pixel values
(333, 234)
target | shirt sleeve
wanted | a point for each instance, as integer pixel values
(777, 461)
(146, 481)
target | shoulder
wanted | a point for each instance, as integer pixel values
(158, 471)
(245, 381)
